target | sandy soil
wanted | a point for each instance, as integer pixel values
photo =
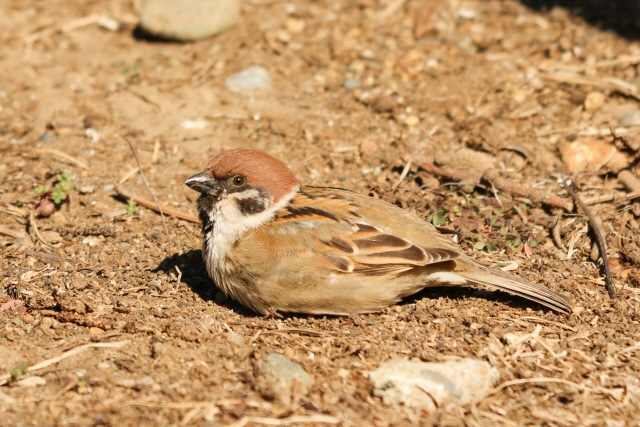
(436, 77)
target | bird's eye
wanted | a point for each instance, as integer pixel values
(239, 180)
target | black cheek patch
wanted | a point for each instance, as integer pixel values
(252, 205)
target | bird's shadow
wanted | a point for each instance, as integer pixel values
(195, 276)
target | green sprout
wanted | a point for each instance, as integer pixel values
(19, 371)
(132, 207)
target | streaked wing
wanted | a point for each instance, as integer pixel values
(352, 245)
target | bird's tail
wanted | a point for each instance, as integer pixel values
(520, 287)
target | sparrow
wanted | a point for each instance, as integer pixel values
(273, 244)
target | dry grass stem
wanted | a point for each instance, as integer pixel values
(153, 206)
(116, 344)
(492, 177)
(73, 160)
(597, 234)
(299, 419)
(144, 178)
(607, 83)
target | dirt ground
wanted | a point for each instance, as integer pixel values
(433, 79)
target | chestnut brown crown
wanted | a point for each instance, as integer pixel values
(260, 170)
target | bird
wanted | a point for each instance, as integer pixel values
(274, 245)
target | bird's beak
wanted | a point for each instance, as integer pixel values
(204, 184)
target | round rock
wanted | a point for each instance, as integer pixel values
(188, 20)
(248, 80)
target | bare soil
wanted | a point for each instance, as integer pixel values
(436, 77)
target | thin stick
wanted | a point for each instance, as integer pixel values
(298, 419)
(117, 344)
(491, 176)
(603, 83)
(179, 277)
(150, 205)
(35, 228)
(64, 155)
(551, 322)
(598, 236)
(164, 222)
(536, 380)
(403, 175)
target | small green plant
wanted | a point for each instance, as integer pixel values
(132, 207)
(53, 192)
(134, 69)
(19, 371)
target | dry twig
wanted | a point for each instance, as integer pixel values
(117, 344)
(491, 176)
(597, 234)
(70, 158)
(151, 205)
(608, 83)
(294, 420)
(144, 179)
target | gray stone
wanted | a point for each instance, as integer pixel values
(632, 117)
(248, 80)
(188, 20)
(352, 83)
(433, 385)
(278, 378)
(235, 339)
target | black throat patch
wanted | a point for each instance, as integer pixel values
(205, 204)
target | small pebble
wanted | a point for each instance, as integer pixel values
(47, 137)
(235, 339)
(91, 241)
(352, 83)
(31, 382)
(632, 117)
(279, 378)
(412, 120)
(594, 101)
(86, 189)
(466, 13)
(367, 148)
(194, 124)
(95, 331)
(248, 80)
(92, 134)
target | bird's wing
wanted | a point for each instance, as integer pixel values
(341, 237)
(346, 239)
